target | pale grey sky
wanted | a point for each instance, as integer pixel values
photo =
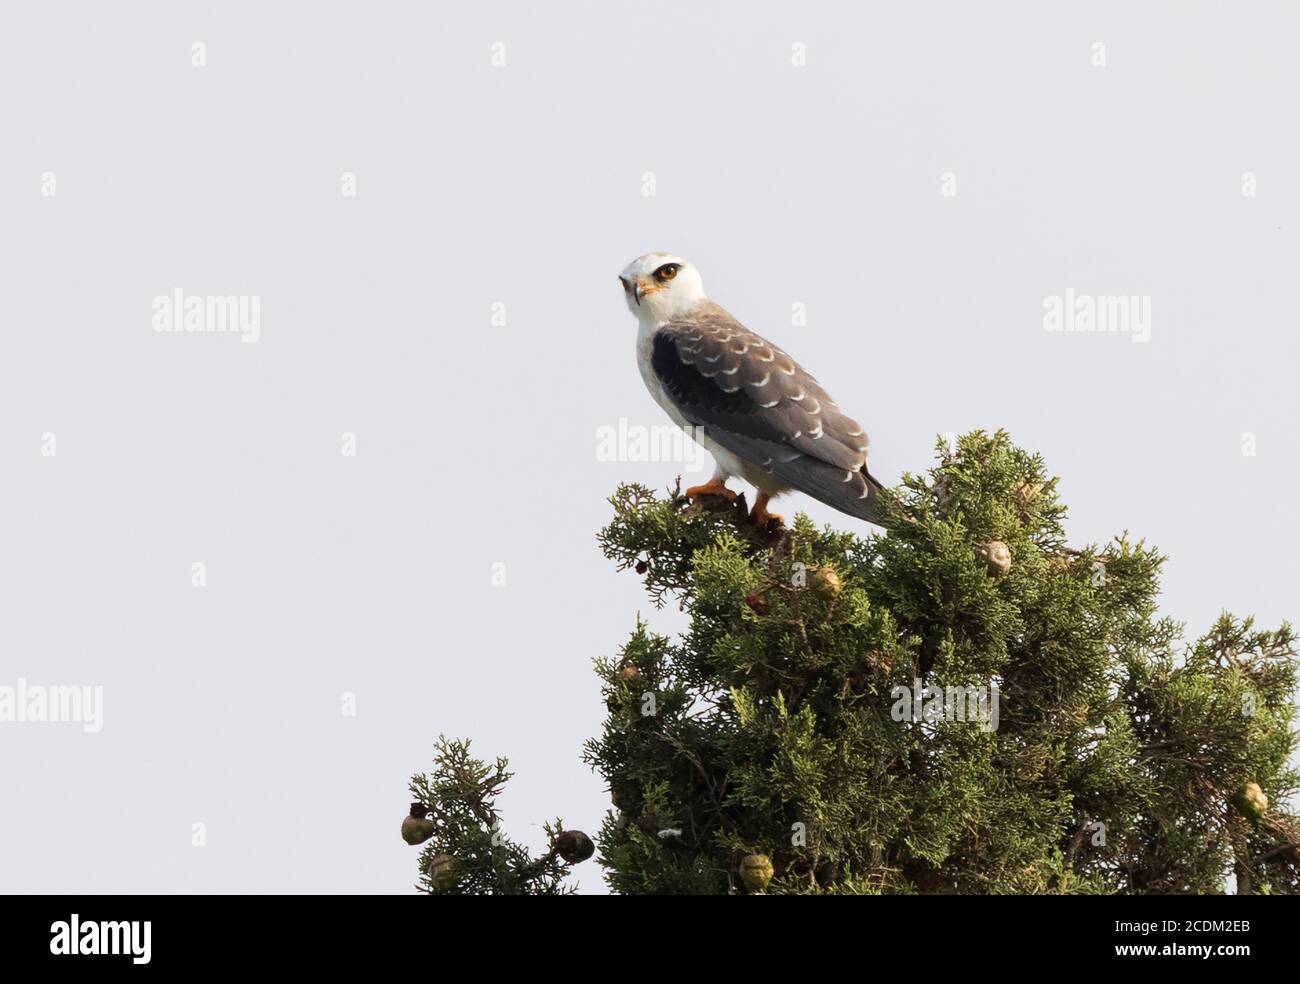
(522, 185)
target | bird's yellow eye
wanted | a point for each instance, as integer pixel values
(666, 272)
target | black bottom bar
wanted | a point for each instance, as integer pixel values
(140, 934)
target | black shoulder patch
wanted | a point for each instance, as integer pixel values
(691, 389)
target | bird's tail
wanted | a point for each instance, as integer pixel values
(872, 507)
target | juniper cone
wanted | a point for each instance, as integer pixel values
(756, 872)
(1026, 493)
(996, 555)
(1251, 802)
(826, 581)
(442, 872)
(416, 829)
(574, 846)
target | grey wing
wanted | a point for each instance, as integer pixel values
(757, 402)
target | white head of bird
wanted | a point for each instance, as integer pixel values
(661, 287)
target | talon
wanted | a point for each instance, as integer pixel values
(714, 486)
(760, 517)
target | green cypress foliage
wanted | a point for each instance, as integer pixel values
(1105, 756)
(466, 851)
(960, 703)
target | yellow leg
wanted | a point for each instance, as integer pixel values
(714, 486)
(759, 514)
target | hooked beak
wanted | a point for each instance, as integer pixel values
(633, 289)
